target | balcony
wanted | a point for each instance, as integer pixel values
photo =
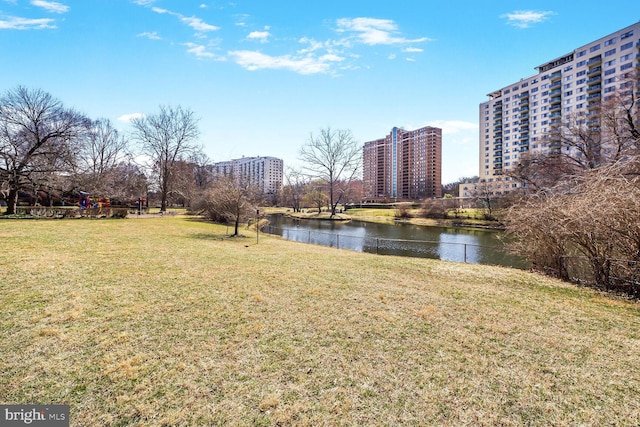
(497, 147)
(594, 96)
(497, 123)
(555, 76)
(556, 84)
(498, 161)
(595, 104)
(497, 140)
(524, 101)
(594, 79)
(497, 154)
(524, 142)
(556, 114)
(594, 88)
(594, 71)
(596, 60)
(555, 92)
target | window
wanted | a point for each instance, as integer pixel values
(609, 80)
(581, 81)
(610, 52)
(594, 48)
(568, 85)
(568, 68)
(525, 84)
(609, 72)
(568, 93)
(568, 78)
(626, 46)
(581, 63)
(610, 42)
(626, 35)
(506, 91)
(609, 89)
(581, 73)
(626, 57)
(626, 66)
(610, 63)
(581, 53)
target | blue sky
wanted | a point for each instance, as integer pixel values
(263, 75)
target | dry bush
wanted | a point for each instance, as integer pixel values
(595, 216)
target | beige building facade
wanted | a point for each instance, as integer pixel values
(262, 172)
(516, 118)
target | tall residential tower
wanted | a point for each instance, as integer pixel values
(516, 118)
(404, 165)
(262, 172)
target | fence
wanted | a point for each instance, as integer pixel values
(447, 251)
(608, 274)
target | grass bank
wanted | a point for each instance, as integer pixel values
(165, 321)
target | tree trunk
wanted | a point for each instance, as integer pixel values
(237, 223)
(12, 201)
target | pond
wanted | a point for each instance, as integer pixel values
(476, 246)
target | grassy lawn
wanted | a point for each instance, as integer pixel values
(165, 321)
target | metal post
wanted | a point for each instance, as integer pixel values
(337, 241)
(257, 228)
(465, 252)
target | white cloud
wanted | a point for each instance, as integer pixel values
(150, 35)
(261, 36)
(203, 6)
(200, 51)
(143, 2)
(51, 6)
(409, 59)
(252, 60)
(195, 23)
(373, 31)
(526, 18)
(412, 50)
(17, 23)
(198, 24)
(129, 117)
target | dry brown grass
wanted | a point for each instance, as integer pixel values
(167, 322)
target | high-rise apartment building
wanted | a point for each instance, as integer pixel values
(516, 119)
(404, 165)
(262, 172)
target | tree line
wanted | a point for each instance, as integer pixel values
(49, 151)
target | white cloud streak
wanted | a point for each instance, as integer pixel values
(127, 118)
(526, 18)
(252, 61)
(51, 6)
(373, 31)
(201, 52)
(261, 36)
(152, 35)
(17, 23)
(196, 23)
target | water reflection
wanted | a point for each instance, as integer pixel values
(451, 244)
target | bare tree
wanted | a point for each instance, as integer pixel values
(167, 138)
(332, 156)
(296, 183)
(229, 201)
(39, 137)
